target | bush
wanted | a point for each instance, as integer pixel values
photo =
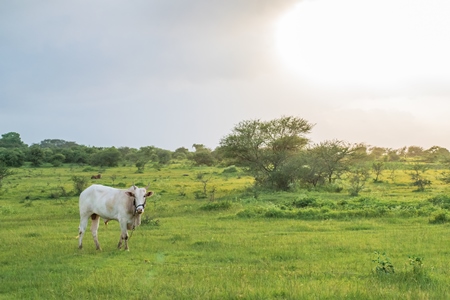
(442, 201)
(383, 264)
(79, 184)
(438, 217)
(305, 202)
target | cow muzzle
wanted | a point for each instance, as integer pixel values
(140, 208)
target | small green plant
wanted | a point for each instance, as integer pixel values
(149, 221)
(417, 264)
(182, 191)
(383, 263)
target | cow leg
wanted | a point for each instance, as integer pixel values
(82, 230)
(94, 229)
(123, 235)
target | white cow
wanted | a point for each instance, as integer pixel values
(125, 206)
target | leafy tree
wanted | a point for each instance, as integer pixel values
(108, 157)
(140, 165)
(12, 157)
(377, 152)
(77, 154)
(35, 155)
(414, 151)
(437, 154)
(57, 159)
(203, 156)
(198, 147)
(164, 156)
(265, 147)
(311, 170)
(181, 153)
(331, 158)
(393, 155)
(57, 143)
(11, 140)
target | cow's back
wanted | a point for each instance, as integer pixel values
(101, 200)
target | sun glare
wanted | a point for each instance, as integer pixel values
(366, 43)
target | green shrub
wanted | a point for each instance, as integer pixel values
(305, 202)
(79, 184)
(383, 263)
(438, 217)
(441, 200)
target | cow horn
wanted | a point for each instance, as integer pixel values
(148, 185)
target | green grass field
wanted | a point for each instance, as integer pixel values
(245, 244)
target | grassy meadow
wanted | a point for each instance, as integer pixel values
(389, 242)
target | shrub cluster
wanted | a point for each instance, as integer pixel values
(310, 208)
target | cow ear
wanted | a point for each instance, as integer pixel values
(149, 194)
(129, 193)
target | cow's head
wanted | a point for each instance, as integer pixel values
(138, 198)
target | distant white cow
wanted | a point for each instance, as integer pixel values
(125, 206)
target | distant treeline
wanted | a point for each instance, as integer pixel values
(15, 153)
(276, 153)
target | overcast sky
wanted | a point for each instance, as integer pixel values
(173, 73)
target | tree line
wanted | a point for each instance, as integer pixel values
(15, 153)
(277, 153)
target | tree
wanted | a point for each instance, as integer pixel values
(331, 158)
(181, 153)
(11, 140)
(203, 156)
(358, 176)
(377, 168)
(77, 154)
(164, 156)
(57, 143)
(57, 159)
(418, 177)
(108, 157)
(414, 151)
(437, 154)
(311, 169)
(35, 155)
(201, 177)
(377, 152)
(12, 157)
(264, 147)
